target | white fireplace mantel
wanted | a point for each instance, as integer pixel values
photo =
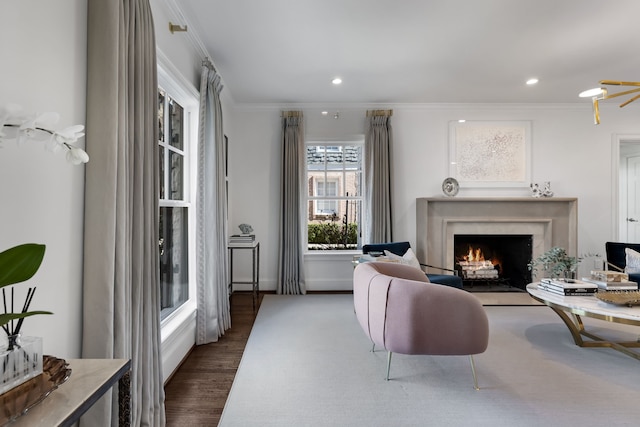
(550, 221)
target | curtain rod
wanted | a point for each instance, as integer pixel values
(379, 113)
(291, 114)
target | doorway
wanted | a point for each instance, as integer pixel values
(628, 188)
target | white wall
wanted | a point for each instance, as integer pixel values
(43, 62)
(567, 149)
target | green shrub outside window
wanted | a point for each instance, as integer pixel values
(332, 235)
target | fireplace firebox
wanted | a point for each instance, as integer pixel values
(490, 262)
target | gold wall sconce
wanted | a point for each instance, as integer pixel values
(175, 28)
(601, 93)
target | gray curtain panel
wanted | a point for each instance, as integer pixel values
(121, 298)
(290, 256)
(377, 157)
(213, 317)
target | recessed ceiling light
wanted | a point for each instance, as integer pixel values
(461, 120)
(336, 81)
(532, 81)
(324, 113)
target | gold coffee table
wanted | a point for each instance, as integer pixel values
(571, 308)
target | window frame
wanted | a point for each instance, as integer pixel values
(330, 147)
(321, 197)
(187, 96)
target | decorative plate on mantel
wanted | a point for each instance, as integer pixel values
(450, 187)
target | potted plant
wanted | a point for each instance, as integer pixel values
(557, 262)
(21, 358)
(19, 264)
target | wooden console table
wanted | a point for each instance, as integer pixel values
(90, 379)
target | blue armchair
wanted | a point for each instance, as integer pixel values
(400, 248)
(617, 259)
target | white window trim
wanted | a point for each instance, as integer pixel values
(309, 141)
(178, 88)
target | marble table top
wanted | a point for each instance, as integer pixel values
(587, 306)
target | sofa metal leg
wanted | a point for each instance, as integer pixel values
(373, 347)
(473, 371)
(388, 364)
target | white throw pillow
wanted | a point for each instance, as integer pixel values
(409, 258)
(632, 261)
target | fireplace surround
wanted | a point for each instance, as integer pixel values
(549, 221)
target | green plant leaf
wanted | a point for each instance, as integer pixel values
(8, 317)
(557, 261)
(20, 263)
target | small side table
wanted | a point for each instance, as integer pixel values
(89, 380)
(255, 267)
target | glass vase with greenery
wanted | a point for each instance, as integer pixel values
(556, 262)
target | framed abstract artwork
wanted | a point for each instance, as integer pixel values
(490, 153)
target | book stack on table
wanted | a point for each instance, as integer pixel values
(242, 239)
(568, 286)
(611, 281)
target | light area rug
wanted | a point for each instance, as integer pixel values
(308, 363)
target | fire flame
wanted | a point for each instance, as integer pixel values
(475, 255)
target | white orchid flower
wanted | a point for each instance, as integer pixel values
(41, 125)
(42, 121)
(70, 134)
(53, 145)
(76, 155)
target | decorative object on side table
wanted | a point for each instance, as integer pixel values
(20, 399)
(245, 228)
(21, 356)
(450, 187)
(246, 238)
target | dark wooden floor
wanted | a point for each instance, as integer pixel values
(197, 392)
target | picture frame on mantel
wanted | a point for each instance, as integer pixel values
(490, 154)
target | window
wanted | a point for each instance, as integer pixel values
(328, 148)
(174, 209)
(326, 189)
(334, 197)
(176, 116)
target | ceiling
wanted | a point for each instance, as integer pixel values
(416, 51)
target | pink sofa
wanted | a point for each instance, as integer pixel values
(402, 312)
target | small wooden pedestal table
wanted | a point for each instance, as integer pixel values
(89, 380)
(570, 308)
